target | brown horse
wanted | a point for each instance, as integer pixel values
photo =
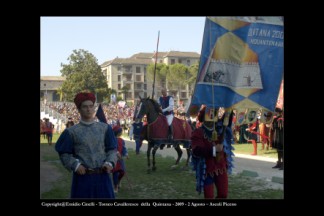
(156, 132)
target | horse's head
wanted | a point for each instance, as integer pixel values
(147, 107)
(141, 109)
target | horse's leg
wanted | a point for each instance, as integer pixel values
(185, 167)
(179, 151)
(148, 153)
(188, 156)
(153, 155)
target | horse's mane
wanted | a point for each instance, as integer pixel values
(155, 105)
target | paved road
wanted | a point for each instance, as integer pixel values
(248, 164)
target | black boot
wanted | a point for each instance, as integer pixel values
(171, 132)
(281, 166)
(278, 165)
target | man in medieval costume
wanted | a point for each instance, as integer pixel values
(88, 150)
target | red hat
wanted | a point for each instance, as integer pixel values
(83, 96)
(117, 129)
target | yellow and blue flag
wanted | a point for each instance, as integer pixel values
(241, 63)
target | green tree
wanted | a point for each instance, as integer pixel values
(60, 93)
(192, 76)
(83, 74)
(176, 77)
(160, 74)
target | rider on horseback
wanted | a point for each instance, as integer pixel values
(166, 102)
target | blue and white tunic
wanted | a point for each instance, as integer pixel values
(90, 144)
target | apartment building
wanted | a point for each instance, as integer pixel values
(131, 72)
(49, 86)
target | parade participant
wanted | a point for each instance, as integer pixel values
(252, 129)
(88, 149)
(277, 137)
(135, 133)
(264, 129)
(119, 170)
(144, 120)
(213, 156)
(166, 102)
(42, 128)
(49, 127)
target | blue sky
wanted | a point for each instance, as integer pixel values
(109, 37)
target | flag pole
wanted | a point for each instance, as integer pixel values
(156, 56)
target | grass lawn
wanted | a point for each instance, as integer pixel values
(247, 148)
(165, 183)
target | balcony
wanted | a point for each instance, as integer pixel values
(127, 80)
(138, 89)
(128, 71)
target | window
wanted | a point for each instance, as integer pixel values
(119, 86)
(138, 78)
(183, 94)
(188, 62)
(179, 61)
(128, 77)
(128, 69)
(119, 78)
(138, 86)
(138, 69)
(172, 61)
